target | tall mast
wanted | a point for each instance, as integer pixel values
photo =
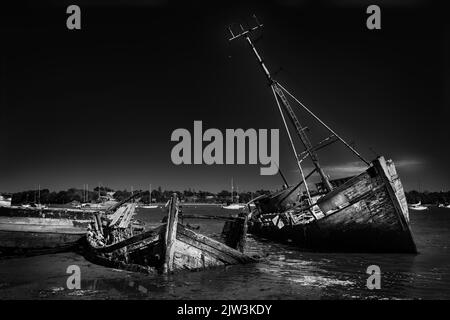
(280, 97)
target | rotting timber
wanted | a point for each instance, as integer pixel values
(364, 213)
(37, 230)
(31, 231)
(113, 241)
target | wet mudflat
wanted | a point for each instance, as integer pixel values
(284, 272)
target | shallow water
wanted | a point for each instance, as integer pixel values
(283, 273)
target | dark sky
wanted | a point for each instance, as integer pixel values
(99, 105)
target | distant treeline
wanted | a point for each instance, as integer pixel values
(45, 196)
(427, 197)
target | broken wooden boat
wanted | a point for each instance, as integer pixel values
(364, 213)
(114, 242)
(368, 213)
(39, 230)
(33, 235)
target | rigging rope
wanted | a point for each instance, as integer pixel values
(292, 144)
(325, 125)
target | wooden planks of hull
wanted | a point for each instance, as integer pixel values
(168, 248)
(32, 235)
(366, 214)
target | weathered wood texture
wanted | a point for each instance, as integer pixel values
(39, 233)
(365, 214)
(170, 235)
(165, 249)
(128, 214)
(215, 250)
(54, 213)
(37, 240)
(235, 232)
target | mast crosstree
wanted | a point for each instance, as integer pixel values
(278, 91)
(279, 96)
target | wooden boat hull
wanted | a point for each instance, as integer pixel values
(368, 213)
(191, 251)
(52, 213)
(27, 234)
(167, 248)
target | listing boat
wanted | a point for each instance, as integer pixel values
(364, 213)
(114, 242)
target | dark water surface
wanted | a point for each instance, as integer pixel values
(283, 273)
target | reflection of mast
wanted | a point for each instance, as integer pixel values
(284, 105)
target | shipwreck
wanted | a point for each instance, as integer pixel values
(115, 242)
(364, 213)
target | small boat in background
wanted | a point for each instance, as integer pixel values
(417, 206)
(5, 201)
(149, 205)
(234, 206)
(145, 206)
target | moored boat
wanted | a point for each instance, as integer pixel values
(234, 206)
(417, 206)
(144, 206)
(5, 201)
